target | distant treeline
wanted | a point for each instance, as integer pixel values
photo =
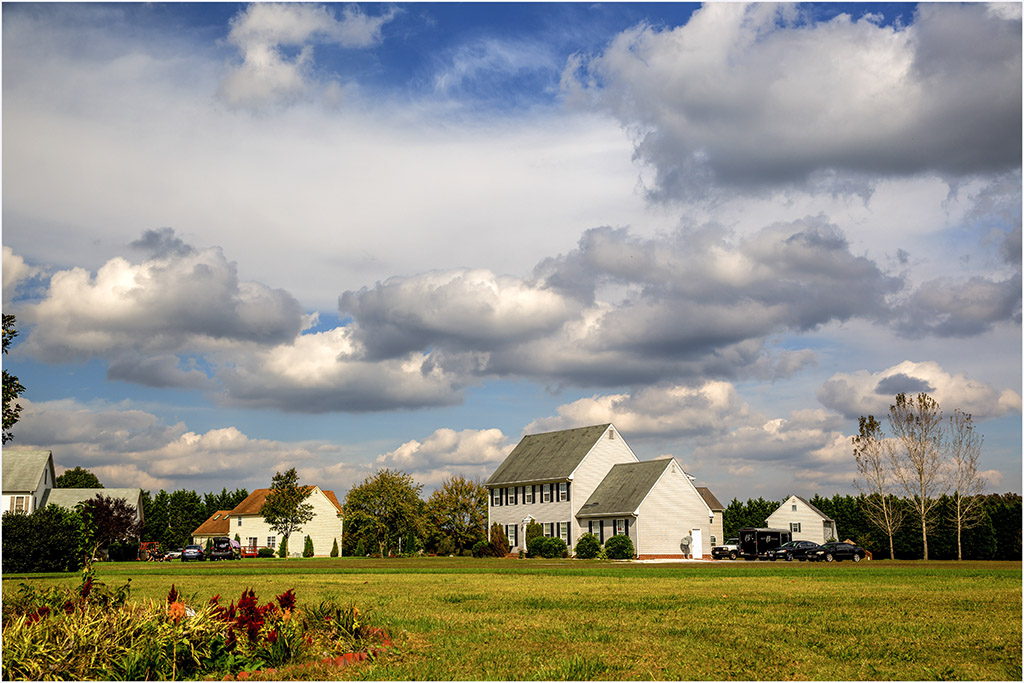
(170, 518)
(995, 533)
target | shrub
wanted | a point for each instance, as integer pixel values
(499, 542)
(619, 547)
(588, 546)
(533, 530)
(123, 551)
(360, 549)
(51, 539)
(282, 550)
(334, 549)
(546, 547)
(307, 548)
(446, 546)
(483, 549)
(265, 552)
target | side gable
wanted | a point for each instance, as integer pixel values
(24, 470)
(255, 500)
(785, 510)
(69, 498)
(551, 456)
(623, 489)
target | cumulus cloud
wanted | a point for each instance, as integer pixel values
(711, 408)
(471, 453)
(15, 270)
(262, 31)
(950, 307)
(757, 95)
(131, 447)
(187, 298)
(866, 393)
(328, 371)
(461, 309)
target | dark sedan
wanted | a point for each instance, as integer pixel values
(794, 550)
(836, 552)
(192, 552)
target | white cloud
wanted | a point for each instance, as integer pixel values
(744, 95)
(867, 393)
(471, 453)
(266, 75)
(14, 271)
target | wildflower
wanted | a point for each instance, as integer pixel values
(172, 595)
(272, 636)
(287, 599)
(176, 611)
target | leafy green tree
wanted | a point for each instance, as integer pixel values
(533, 530)
(185, 512)
(282, 550)
(383, 509)
(12, 387)
(225, 500)
(156, 512)
(457, 511)
(334, 549)
(78, 478)
(307, 549)
(285, 509)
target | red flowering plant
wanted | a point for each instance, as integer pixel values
(270, 634)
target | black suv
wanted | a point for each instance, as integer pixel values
(224, 548)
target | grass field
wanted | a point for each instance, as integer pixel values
(464, 618)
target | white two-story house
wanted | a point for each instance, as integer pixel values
(588, 479)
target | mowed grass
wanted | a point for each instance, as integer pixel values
(464, 618)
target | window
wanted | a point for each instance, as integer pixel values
(563, 492)
(563, 531)
(794, 507)
(794, 527)
(549, 529)
(217, 516)
(271, 541)
(252, 542)
(714, 541)
(547, 492)
(20, 503)
(510, 533)
(496, 497)
(239, 521)
(528, 495)
(514, 498)
(620, 527)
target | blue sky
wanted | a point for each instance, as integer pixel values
(240, 238)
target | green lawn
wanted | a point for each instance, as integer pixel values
(464, 618)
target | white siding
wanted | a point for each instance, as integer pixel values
(610, 450)
(812, 525)
(541, 512)
(35, 496)
(324, 528)
(668, 513)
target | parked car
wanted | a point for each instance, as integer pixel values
(794, 550)
(173, 554)
(225, 548)
(730, 549)
(193, 552)
(836, 552)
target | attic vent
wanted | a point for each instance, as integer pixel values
(611, 435)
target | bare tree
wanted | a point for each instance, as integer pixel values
(917, 454)
(967, 483)
(877, 479)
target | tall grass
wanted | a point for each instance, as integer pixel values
(568, 620)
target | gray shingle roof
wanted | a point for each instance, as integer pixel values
(23, 468)
(68, 498)
(624, 488)
(547, 457)
(709, 498)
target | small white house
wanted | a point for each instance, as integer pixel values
(245, 520)
(27, 476)
(804, 521)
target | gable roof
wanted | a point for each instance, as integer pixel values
(548, 456)
(219, 524)
(624, 488)
(709, 498)
(69, 498)
(814, 509)
(254, 501)
(23, 468)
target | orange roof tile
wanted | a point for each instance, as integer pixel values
(219, 524)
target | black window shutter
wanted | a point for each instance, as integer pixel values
(568, 489)
(626, 524)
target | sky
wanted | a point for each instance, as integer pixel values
(242, 238)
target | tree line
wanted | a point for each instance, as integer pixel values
(995, 533)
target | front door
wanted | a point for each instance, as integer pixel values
(696, 544)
